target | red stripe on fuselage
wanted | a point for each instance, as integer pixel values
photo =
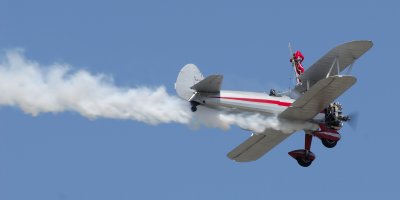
(279, 103)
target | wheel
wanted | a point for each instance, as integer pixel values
(193, 108)
(329, 143)
(304, 162)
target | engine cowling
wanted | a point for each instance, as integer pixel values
(333, 116)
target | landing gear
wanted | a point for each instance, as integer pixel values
(328, 134)
(194, 106)
(329, 137)
(329, 143)
(304, 156)
(304, 162)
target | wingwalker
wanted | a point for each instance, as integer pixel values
(316, 90)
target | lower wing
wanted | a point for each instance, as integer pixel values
(257, 145)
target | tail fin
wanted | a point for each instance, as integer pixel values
(188, 76)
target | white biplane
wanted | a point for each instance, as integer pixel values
(321, 84)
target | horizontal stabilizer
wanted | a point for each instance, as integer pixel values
(257, 145)
(318, 97)
(211, 84)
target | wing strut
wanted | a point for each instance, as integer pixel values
(335, 61)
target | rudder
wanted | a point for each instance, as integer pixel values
(187, 77)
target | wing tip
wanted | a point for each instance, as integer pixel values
(366, 43)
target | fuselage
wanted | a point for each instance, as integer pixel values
(249, 101)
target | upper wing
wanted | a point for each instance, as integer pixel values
(344, 54)
(257, 145)
(318, 97)
(211, 84)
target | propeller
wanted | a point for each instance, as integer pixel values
(353, 121)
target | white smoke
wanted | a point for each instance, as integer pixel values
(36, 89)
(56, 88)
(254, 122)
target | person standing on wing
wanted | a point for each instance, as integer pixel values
(298, 59)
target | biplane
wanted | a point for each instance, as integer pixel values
(321, 84)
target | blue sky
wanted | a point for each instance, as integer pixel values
(66, 156)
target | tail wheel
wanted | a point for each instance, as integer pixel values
(194, 106)
(329, 143)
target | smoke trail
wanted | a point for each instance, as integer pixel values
(56, 88)
(254, 122)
